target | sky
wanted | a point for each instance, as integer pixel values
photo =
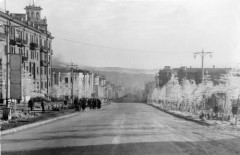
(147, 34)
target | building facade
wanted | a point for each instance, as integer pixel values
(210, 74)
(27, 35)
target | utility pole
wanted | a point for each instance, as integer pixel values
(72, 67)
(236, 120)
(203, 54)
(7, 29)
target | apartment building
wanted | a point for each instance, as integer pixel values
(27, 35)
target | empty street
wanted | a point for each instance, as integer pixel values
(121, 128)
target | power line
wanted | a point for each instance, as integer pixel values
(115, 48)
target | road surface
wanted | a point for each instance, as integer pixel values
(121, 128)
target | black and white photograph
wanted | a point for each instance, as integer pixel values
(120, 77)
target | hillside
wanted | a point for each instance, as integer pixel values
(126, 77)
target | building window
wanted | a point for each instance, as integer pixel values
(37, 70)
(37, 40)
(41, 71)
(49, 46)
(45, 70)
(46, 85)
(37, 85)
(66, 80)
(40, 42)
(37, 55)
(37, 15)
(32, 14)
(27, 37)
(30, 67)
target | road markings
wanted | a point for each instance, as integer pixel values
(117, 139)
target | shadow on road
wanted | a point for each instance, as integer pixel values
(223, 146)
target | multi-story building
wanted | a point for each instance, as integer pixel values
(28, 36)
(210, 74)
(64, 86)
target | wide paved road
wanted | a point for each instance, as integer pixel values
(123, 128)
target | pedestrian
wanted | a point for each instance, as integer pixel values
(43, 106)
(76, 104)
(80, 104)
(31, 104)
(83, 104)
(99, 104)
(89, 103)
(65, 102)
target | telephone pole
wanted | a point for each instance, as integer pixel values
(72, 67)
(202, 55)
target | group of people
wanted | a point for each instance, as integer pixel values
(31, 105)
(82, 103)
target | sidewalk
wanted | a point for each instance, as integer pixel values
(12, 126)
(180, 115)
(215, 125)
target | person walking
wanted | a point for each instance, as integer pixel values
(43, 106)
(80, 104)
(76, 104)
(99, 104)
(31, 104)
(83, 104)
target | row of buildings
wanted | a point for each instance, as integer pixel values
(26, 62)
(213, 74)
(77, 83)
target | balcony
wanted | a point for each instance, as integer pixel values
(18, 40)
(25, 42)
(33, 46)
(43, 49)
(2, 37)
(44, 63)
(24, 59)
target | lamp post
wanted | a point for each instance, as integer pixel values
(72, 67)
(202, 55)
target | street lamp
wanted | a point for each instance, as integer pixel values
(72, 67)
(203, 54)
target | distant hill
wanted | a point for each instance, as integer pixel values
(127, 80)
(126, 77)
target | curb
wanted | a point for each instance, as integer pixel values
(31, 125)
(13, 130)
(182, 117)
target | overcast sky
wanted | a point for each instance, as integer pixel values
(157, 32)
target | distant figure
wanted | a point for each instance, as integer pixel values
(31, 104)
(75, 102)
(65, 102)
(83, 104)
(99, 103)
(43, 106)
(94, 103)
(89, 103)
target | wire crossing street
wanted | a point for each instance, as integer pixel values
(120, 128)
